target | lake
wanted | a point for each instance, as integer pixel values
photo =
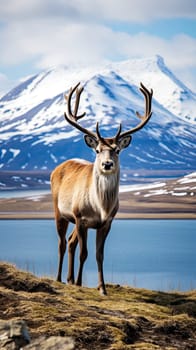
(154, 254)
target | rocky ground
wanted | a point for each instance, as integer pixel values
(127, 318)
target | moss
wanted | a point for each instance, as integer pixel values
(127, 318)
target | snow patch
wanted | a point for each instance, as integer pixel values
(14, 151)
(133, 188)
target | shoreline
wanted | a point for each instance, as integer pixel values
(119, 216)
(144, 204)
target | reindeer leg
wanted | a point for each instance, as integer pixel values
(100, 242)
(62, 225)
(72, 244)
(82, 239)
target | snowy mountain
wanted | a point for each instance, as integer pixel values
(35, 136)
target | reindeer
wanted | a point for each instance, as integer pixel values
(85, 193)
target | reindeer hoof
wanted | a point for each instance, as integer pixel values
(70, 281)
(102, 291)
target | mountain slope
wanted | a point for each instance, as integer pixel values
(34, 134)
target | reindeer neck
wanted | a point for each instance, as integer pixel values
(106, 188)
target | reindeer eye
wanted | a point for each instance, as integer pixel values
(117, 150)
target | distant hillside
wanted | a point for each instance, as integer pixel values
(160, 199)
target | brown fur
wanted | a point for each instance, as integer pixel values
(87, 195)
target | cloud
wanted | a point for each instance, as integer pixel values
(88, 10)
(180, 51)
(50, 33)
(5, 84)
(51, 43)
(138, 10)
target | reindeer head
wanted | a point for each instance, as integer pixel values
(107, 149)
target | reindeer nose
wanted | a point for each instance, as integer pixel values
(108, 164)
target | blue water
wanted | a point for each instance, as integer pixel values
(155, 254)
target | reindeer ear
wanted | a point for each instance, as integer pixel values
(125, 141)
(90, 141)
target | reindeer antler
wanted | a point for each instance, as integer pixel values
(144, 118)
(72, 117)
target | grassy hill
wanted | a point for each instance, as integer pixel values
(127, 318)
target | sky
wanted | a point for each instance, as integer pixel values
(39, 34)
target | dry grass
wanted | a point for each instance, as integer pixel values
(128, 318)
